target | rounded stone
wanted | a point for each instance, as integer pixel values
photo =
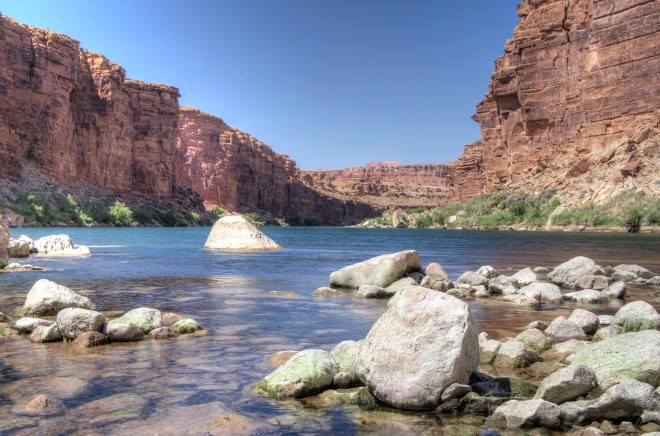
(73, 322)
(235, 233)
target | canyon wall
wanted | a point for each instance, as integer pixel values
(73, 115)
(237, 172)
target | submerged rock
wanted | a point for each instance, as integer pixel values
(235, 233)
(360, 397)
(73, 322)
(90, 339)
(568, 273)
(48, 298)
(304, 374)
(378, 271)
(44, 405)
(325, 292)
(145, 318)
(423, 343)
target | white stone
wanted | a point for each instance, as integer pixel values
(235, 233)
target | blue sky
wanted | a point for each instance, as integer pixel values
(333, 83)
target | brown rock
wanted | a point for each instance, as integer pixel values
(630, 169)
(44, 405)
(170, 318)
(90, 339)
(163, 333)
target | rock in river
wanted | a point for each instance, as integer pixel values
(634, 317)
(568, 273)
(378, 271)
(59, 245)
(424, 342)
(235, 233)
(48, 298)
(567, 384)
(122, 332)
(145, 318)
(529, 413)
(73, 322)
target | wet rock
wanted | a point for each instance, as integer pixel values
(304, 374)
(488, 348)
(27, 324)
(90, 339)
(325, 292)
(48, 298)
(108, 410)
(568, 273)
(524, 277)
(163, 333)
(368, 291)
(504, 387)
(360, 397)
(488, 271)
(145, 318)
(567, 384)
(22, 267)
(43, 333)
(534, 339)
(378, 271)
(561, 330)
(346, 356)
(514, 354)
(587, 321)
(634, 317)
(471, 404)
(73, 322)
(529, 413)
(122, 332)
(186, 325)
(521, 300)
(635, 269)
(473, 279)
(628, 355)
(44, 405)
(436, 271)
(546, 293)
(235, 233)
(59, 245)
(539, 325)
(169, 318)
(277, 359)
(587, 296)
(283, 294)
(593, 282)
(423, 343)
(615, 290)
(455, 390)
(627, 400)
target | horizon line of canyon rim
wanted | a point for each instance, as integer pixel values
(568, 108)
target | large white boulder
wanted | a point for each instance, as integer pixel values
(73, 322)
(378, 271)
(423, 343)
(235, 233)
(48, 298)
(59, 245)
(568, 273)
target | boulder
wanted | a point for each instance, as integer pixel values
(73, 322)
(369, 291)
(400, 284)
(304, 374)
(145, 318)
(163, 333)
(455, 390)
(587, 321)
(27, 324)
(605, 320)
(634, 317)
(529, 413)
(169, 318)
(567, 384)
(325, 292)
(521, 300)
(488, 348)
(378, 271)
(18, 248)
(568, 273)
(628, 355)
(515, 354)
(341, 380)
(48, 298)
(44, 405)
(593, 282)
(436, 271)
(186, 325)
(534, 339)
(653, 281)
(565, 351)
(561, 330)
(524, 277)
(473, 279)
(423, 343)
(43, 333)
(538, 324)
(122, 332)
(635, 269)
(235, 233)
(4, 241)
(13, 219)
(547, 292)
(625, 276)
(346, 354)
(615, 290)
(488, 271)
(59, 245)
(437, 284)
(90, 339)
(586, 296)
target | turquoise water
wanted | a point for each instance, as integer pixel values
(184, 385)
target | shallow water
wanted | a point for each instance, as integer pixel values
(195, 385)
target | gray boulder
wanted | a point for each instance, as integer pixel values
(305, 373)
(235, 233)
(400, 284)
(186, 326)
(625, 276)
(488, 271)
(546, 293)
(48, 298)
(593, 282)
(568, 273)
(145, 318)
(488, 348)
(378, 271)
(587, 321)
(525, 277)
(346, 354)
(59, 245)
(423, 343)
(369, 291)
(73, 322)
(605, 320)
(473, 279)
(18, 248)
(586, 296)
(628, 355)
(122, 332)
(455, 390)
(635, 269)
(325, 292)
(529, 413)
(634, 317)
(653, 281)
(567, 384)
(27, 324)
(436, 271)
(615, 290)
(534, 339)
(521, 300)
(562, 330)
(515, 354)
(43, 333)
(502, 285)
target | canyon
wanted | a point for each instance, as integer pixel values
(573, 105)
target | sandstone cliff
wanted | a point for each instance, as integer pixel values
(232, 169)
(72, 114)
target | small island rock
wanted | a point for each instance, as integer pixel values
(235, 233)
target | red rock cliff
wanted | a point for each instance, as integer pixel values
(232, 169)
(74, 115)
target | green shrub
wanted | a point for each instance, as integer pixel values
(255, 218)
(120, 214)
(218, 212)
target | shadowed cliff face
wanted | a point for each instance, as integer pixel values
(74, 115)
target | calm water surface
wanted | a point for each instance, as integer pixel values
(191, 385)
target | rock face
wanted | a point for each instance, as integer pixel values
(423, 343)
(235, 233)
(74, 115)
(378, 271)
(232, 169)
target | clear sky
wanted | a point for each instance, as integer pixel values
(333, 83)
